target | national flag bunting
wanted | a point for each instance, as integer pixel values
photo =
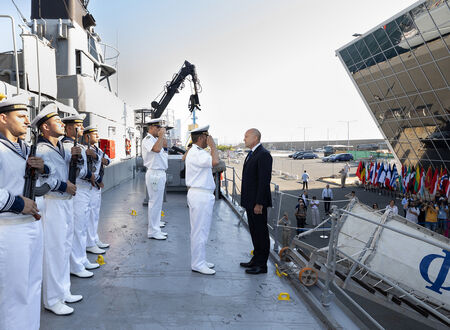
(359, 169)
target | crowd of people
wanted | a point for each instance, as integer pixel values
(305, 203)
(432, 214)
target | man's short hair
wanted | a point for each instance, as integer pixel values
(195, 137)
(256, 133)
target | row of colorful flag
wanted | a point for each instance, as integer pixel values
(411, 179)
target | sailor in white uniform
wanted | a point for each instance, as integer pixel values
(58, 214)
(21, 247)
(154, 154)
(96, 194)
(79, 264)
(200, 197)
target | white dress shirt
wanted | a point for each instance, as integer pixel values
(394, 209)
(199, 169)
(327, 193)
(254, 148)
(153, 160)
(305, 177)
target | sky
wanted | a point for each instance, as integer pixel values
(264, 64)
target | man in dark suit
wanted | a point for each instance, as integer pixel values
(255, 198)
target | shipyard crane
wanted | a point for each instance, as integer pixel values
(173, 87)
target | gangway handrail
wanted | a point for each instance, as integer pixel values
(391, 283)
(16, 58)
(437, 244)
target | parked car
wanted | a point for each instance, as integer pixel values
(341, 158)
(293, 154)
(327, 158)
(298, 154)
(319, 150)
(308, 155)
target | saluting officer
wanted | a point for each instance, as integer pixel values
(21, 248)
(58, 213)
(96, 193)
(154, 154)
(79, 264)
(200, 197)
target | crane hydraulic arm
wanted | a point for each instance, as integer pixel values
(173, 87)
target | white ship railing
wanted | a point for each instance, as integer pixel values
(16, 60)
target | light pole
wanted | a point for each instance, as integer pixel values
(304, 136)
(348, 131)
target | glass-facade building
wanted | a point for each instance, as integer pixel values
(401, 69)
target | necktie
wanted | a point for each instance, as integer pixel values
(249, 155)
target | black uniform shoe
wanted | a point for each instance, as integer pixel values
(247, 264)
(256, 270)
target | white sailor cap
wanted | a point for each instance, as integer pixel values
(156, 122)
(200, 130)
(49, 111)
(90, 129)
(79, 118)
(15, 103)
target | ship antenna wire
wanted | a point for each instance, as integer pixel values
(20, 13)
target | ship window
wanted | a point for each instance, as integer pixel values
(78, 62)
(92, 48)
(111, 131)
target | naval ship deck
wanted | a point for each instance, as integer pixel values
(148, 284)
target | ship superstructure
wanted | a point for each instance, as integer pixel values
(63, 59)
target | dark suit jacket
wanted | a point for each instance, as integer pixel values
(256, 176)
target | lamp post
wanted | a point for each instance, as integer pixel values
(304, 136)
(348, 131)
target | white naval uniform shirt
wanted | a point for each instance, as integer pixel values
(153, 160)
(12, 181)
(58, 160)
(12, 169)
(199, 169)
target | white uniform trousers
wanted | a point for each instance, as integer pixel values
(21, 253)
(58, 236)
(82, 213)
(156, 182)
(315, 216)
(201, 204)
(92, 225)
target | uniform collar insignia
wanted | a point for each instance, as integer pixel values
(59, 148)
(66, 138)
(9, 144)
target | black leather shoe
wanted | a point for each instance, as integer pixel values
(256, 270)
(247, 264)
